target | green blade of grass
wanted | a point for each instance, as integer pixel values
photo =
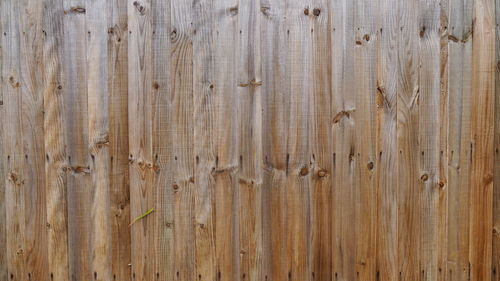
(142, 216)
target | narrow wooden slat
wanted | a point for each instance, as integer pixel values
(362, 148)
(321, 142)
(142, 173)
(250, 136)
(3, 157)
(496, 172)
(275, 104)
(13, 145)
(75, 114)
(226, 145)
(204, 146)
(98, 139)
(459, 149)
(181, 116)
(55, 125)
(409, 182)
(117, 75)
(163, 249)
(428, 91)
(299, 175)
(482, 140)
(345, 158)
(386, 142)
(31, 45)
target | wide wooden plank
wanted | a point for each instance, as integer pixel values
(31, 45)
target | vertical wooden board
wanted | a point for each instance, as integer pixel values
(409, 182)
(429, 121)
(141, 103)
(98, 139)
(321, 145)
(55, 126)
(3, 158)
(496, 172)
(182, 139)
(298, 196)
(482, 140)
(161, 140)
(363, 147)
(75, 120)
(275, 105)
(386, 141)
(250, 140)
(459, 149)
(226, 144)
(117, 59)
(343, 132)
(204, 147)
(13, 145)
(31, 46)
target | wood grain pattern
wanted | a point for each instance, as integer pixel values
(296, 140)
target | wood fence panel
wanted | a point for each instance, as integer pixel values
(261, 140)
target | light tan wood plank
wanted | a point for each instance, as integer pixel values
(3, 158)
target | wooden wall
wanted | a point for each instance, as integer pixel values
(276, 140)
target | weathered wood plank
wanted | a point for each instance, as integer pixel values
(345, 161)
(3, 157)
(482, 140)
(204, 141)
(143, 194)
(56, 123)
(226, 144)
(249, 92)
(321, 142)
(13, 144)
(181, 116)
(496, 172)
(459, 149)
(75, 120)
(429, 134)
(98, 138)
(275, 104)
(386, 141)
(409, 177)
(117, 64)
(299, 175)
(31, 46)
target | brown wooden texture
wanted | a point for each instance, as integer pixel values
(274, 140)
